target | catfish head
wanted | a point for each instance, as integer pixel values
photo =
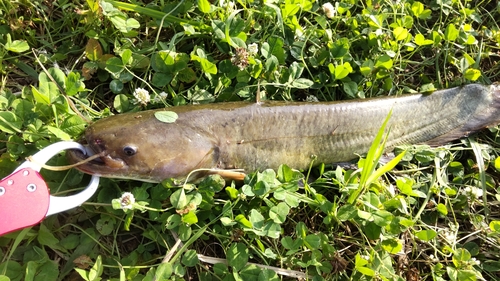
(138, 146)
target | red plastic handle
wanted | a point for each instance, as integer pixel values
(24, 200)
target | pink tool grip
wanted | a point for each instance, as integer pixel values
(24, 200)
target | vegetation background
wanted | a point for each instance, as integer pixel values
(435, 217)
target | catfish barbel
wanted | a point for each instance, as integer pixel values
(257, 136)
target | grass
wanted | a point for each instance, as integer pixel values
(433, 217)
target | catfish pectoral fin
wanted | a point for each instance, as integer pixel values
(230, 174)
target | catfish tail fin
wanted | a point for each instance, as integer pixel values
(487, 114)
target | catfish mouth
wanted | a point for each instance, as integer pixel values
(103, 164)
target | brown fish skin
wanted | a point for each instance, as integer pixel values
(258, 136)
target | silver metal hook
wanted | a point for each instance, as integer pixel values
(64, 203)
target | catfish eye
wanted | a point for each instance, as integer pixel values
(129, 150)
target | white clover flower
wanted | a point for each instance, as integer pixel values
(127, 200)
(230, 5)
(299, 34)
(329, 10)
(240, 58)
(160, 97)
(253, 48)
(379, 32)
(450, 236)
(142, 96)
(474, 261)
(276, 74)
(474, 191)
(312, 98)
(163, 95)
